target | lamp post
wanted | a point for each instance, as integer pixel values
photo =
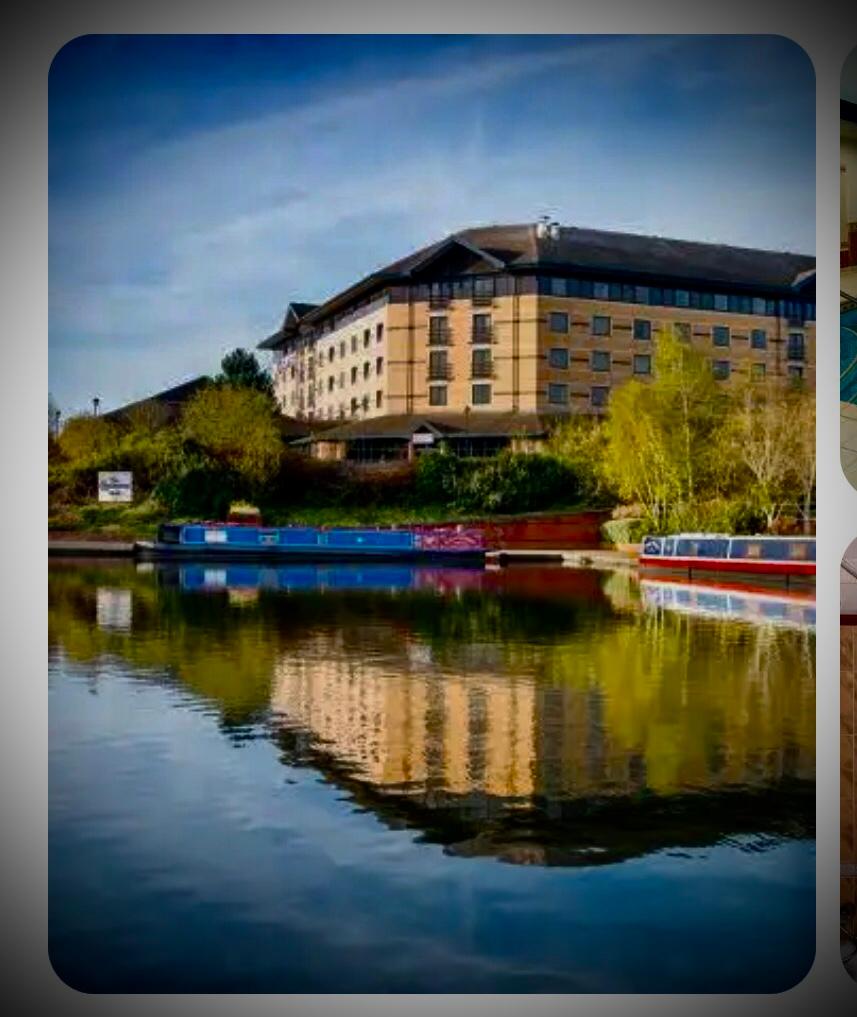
(95, 404)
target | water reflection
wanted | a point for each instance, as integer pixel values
(539, 715)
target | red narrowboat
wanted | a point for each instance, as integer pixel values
(779, 558)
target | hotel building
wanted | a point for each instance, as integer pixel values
(486, 336)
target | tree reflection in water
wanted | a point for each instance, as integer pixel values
(537, 715)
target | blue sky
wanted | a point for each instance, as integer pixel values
(197, 184)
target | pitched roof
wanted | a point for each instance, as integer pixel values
(169, 401)
(519, 247)
(295, 313)
(403, 425)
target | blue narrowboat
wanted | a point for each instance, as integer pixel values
(224, 541)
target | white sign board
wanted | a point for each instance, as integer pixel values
(115, 486)
(423, 438)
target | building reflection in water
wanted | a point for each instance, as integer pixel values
(539, 715)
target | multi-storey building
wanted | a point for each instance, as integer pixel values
(493, 330)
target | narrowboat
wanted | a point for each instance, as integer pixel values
(785, 559)
(225, 541)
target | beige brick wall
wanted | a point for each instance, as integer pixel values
(520, 343)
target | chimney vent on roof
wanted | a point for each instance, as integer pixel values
(553, 230)
(543, 226)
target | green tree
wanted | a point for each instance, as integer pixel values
(87, 440)
(637, 456)
(580, 442)
(664, 445)
(241, 369)
(761, 440)
(801, 413)
(237, 427)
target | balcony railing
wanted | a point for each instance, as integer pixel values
(482, 335)
(439, 372)
(437, 301)
(796, 351)
(482, 299)
(440, 336)
(482, 370)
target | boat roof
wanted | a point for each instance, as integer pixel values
(726, 536)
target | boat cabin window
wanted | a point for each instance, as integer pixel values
(704, 547)
(652, 545)
(669, 546)
(748, 549)
(802, 550)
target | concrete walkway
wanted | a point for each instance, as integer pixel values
(91, 548)
(587, 559)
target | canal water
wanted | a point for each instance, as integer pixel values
(385, 779)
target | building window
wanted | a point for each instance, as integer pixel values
(757, 371)
(367, 336)
(721, 369)
(682, 298)
(558, 394)
(330, 383)
(379, 397)
(598, 395)
(367, 367)
(720, 335)
(600, 360)
(379, 332)
(795, 371)
(482, 328)
(437, 395)
(796, 346)
(601, 291)
(438, 365)
(481, 395)
(481, 365)
(483, 290)
(353, 375)
(353, 406)
(342, 349)
(642, 363)
(601, 324)
(642, 329)
(330, 354)
(379, 365)
(558, 358)
(354, 344)
(438, 331)
(439, 294)
(365, 403)
(558, 321)
(682, 331)
(759, 339)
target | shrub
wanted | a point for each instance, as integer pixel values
(515, 482)
(437, 476)
(196, 485)
(624, 531)
(299, 480)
